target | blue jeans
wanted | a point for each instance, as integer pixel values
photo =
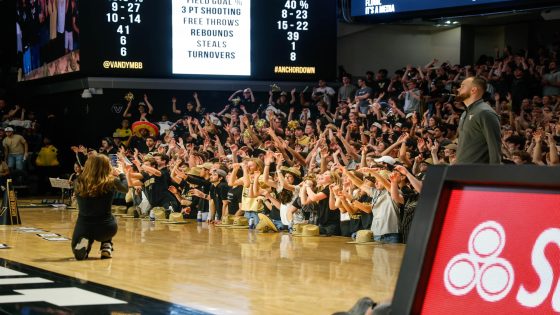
(279, 225)
(388, 238)
(252, 214)
(15, 161)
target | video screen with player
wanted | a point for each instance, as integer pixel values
(48, 37)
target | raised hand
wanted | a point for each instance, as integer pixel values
(404, 137)
(401, 169)
(537, 136)
(435, 147)
(414, 118)
(421, 144)
(268, 157)
(279, 158)
(395, 176)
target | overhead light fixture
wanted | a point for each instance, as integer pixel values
(86, 94)
(455, 22)
(447, 22)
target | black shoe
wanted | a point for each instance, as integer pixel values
(81, 249)
(106, 250)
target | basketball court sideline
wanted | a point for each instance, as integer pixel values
(191, 268)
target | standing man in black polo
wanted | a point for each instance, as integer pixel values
(479, 126)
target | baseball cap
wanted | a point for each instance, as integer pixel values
(451, 146)
(9, 129)
(220, 172)
(385, 159)
(409, 115)
(207, 165)
(376, 124)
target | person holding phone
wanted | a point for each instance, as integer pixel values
(95, 188)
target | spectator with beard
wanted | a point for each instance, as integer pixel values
(479, 126)
(218, 194)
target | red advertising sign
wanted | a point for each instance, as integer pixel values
(498, 253)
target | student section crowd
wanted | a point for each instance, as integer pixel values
(341, 160)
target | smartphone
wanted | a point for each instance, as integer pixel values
(113, 158)
(127, 161)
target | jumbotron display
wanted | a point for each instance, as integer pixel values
(384, 8)
(248, 39)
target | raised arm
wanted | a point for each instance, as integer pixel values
(150, 107)
(127, 110)
(174, 106)
(394, 191)
(415, 182)
(234, 94)
(197, 101)
(268, 158)
(553, 151)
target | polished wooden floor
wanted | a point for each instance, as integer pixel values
(216, 270)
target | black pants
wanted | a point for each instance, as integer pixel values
(94, 230)
(329, 229)
(345, 228)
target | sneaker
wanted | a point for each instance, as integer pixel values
(81, 249)
(106, 250)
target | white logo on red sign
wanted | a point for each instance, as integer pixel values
(481, 267)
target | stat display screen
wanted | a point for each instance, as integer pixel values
(246, 39)
(386, 8)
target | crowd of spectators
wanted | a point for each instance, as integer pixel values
(344, 158)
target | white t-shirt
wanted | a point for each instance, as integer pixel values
(284, 214)
(61, 16)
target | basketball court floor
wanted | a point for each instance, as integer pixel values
(188, 268)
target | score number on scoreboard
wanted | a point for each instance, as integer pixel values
(123, 15)
(293, 20)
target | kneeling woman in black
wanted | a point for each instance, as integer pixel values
(94, 190)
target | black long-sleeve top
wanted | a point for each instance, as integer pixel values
(99, 208)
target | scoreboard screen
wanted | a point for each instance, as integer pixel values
(226, 39)
(384, 9)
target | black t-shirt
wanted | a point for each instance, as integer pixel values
(98, 209)
(250, 106)
(156, 187)
(136, 116)
(325, 215)
(190, 113)
(204, 186)
(363, 91)
(138, 143)
(219, 193)
(234, 198)
(274, 214)
(380, 86)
